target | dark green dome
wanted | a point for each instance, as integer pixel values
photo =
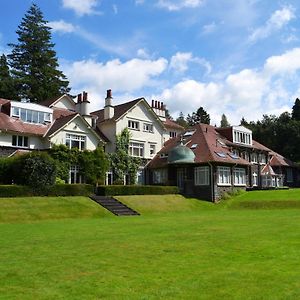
(180, 155)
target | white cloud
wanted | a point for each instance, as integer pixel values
(278, 20)
(115, 9)
(82, 7)
(209, 28)
(289, 62)
(61, 26)
(249, 93)
(180, 61)
(143, 53)
(174, 5)
(126, 77)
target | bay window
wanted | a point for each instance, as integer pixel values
(224, 175)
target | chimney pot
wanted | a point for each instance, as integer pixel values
(79, 98)
(162, 107)
(85, 94)
(155, 104)
(152, 105)
(108, 94)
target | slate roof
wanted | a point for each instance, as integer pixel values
(119, 110)
(206, 143)
(60, 122)
(171, 124)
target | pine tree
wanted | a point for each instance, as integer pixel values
(296, 110)
(33, 60)
(7, 89)
(181, 120)
(224, 121)
(201, 116)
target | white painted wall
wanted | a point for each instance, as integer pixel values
(143, 114)
(77, 126)
(35, 142)
(65, 103)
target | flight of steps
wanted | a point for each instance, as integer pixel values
(114, 206)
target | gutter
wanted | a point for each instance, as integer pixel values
(212, 181)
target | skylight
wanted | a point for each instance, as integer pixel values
(233, 156)
(189, 133)
(221, 154)
(194, 146)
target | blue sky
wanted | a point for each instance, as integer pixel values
(238, 57)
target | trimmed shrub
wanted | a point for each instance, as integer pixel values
(55, 190)
(115, 190)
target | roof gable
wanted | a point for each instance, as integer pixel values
(63, 101)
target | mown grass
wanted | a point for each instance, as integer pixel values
(206, 251)
(48, 208)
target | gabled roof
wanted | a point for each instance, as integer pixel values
(206, 143)
(51, 102)
(121, 109)
(278, 160)
(63, 121)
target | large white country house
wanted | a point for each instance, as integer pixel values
(26, 126)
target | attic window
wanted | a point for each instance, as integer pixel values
(194, 146)
(189, 133)
(163, 155)
(233, 156)
(16, 112)
(221, 154)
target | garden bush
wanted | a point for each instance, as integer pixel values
(115, 190)
(54, 190)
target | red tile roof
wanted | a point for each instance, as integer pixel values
(206, 143)
(171, 124)
(14, 125)
(278, 160)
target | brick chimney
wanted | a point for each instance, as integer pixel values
(109, 109)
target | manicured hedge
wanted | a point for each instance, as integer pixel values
(55, 190)
(115, 190)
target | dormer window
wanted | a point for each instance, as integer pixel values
(242, 135)
(31, 116)
(15, 112)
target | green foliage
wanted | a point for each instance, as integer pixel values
(38, 170)
(200, 116)
(181, 120)
(224, 121)
(121, 162)
(54, 190)
(94, 165)
(296, 110)
(33, 60)
(113, 190)
(7, 89)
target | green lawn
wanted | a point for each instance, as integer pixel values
(206, 251)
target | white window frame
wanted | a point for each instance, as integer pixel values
(134, 125)
(254, 179)
(254, 158)
(152, 149)
(239, 176)
(224, 175)
(201, 176)
(160, 176)
(81, 139)
(136, 149)
(172, 134)
(242, 137)
(21, 141)
(13, 111)
(77, 176)
(147, 127)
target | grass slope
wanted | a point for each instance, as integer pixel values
(43, 208)
(206, 251)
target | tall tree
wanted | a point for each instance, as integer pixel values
(33, 60)
(181, 120)
(200, 116)
(296, 110)
(7, 89)
(224, 121)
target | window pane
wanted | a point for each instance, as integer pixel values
(14, 140)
